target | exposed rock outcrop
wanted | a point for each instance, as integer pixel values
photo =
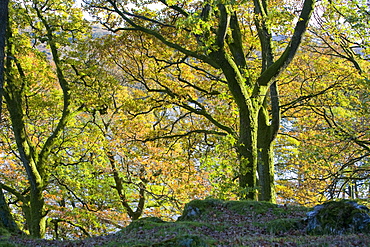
(338, 217)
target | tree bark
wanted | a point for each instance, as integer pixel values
(36, 223)
(268, 128)
(266, 169)
(248, 152)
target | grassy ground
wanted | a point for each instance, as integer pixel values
(215, 223)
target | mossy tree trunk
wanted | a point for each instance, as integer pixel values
(267, 131)
(257, 129)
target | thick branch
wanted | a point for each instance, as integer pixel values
(276, 68)
(264, 33)
(176, 8)
(236, 46)
(275, 111)
(308, 97)
(202, 112)
(84, 204)
(223, 25)
(13, 94)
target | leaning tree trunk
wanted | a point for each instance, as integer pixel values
(140, 205)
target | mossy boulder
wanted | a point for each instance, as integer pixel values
(338, 217)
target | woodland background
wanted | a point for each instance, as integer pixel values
(115, 110)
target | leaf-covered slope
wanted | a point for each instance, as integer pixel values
(216, 223)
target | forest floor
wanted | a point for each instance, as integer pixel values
(214, 223)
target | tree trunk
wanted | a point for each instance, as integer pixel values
(266, 169)
(247, 153)
(37, 226)
(6, 219)
(266, 173)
